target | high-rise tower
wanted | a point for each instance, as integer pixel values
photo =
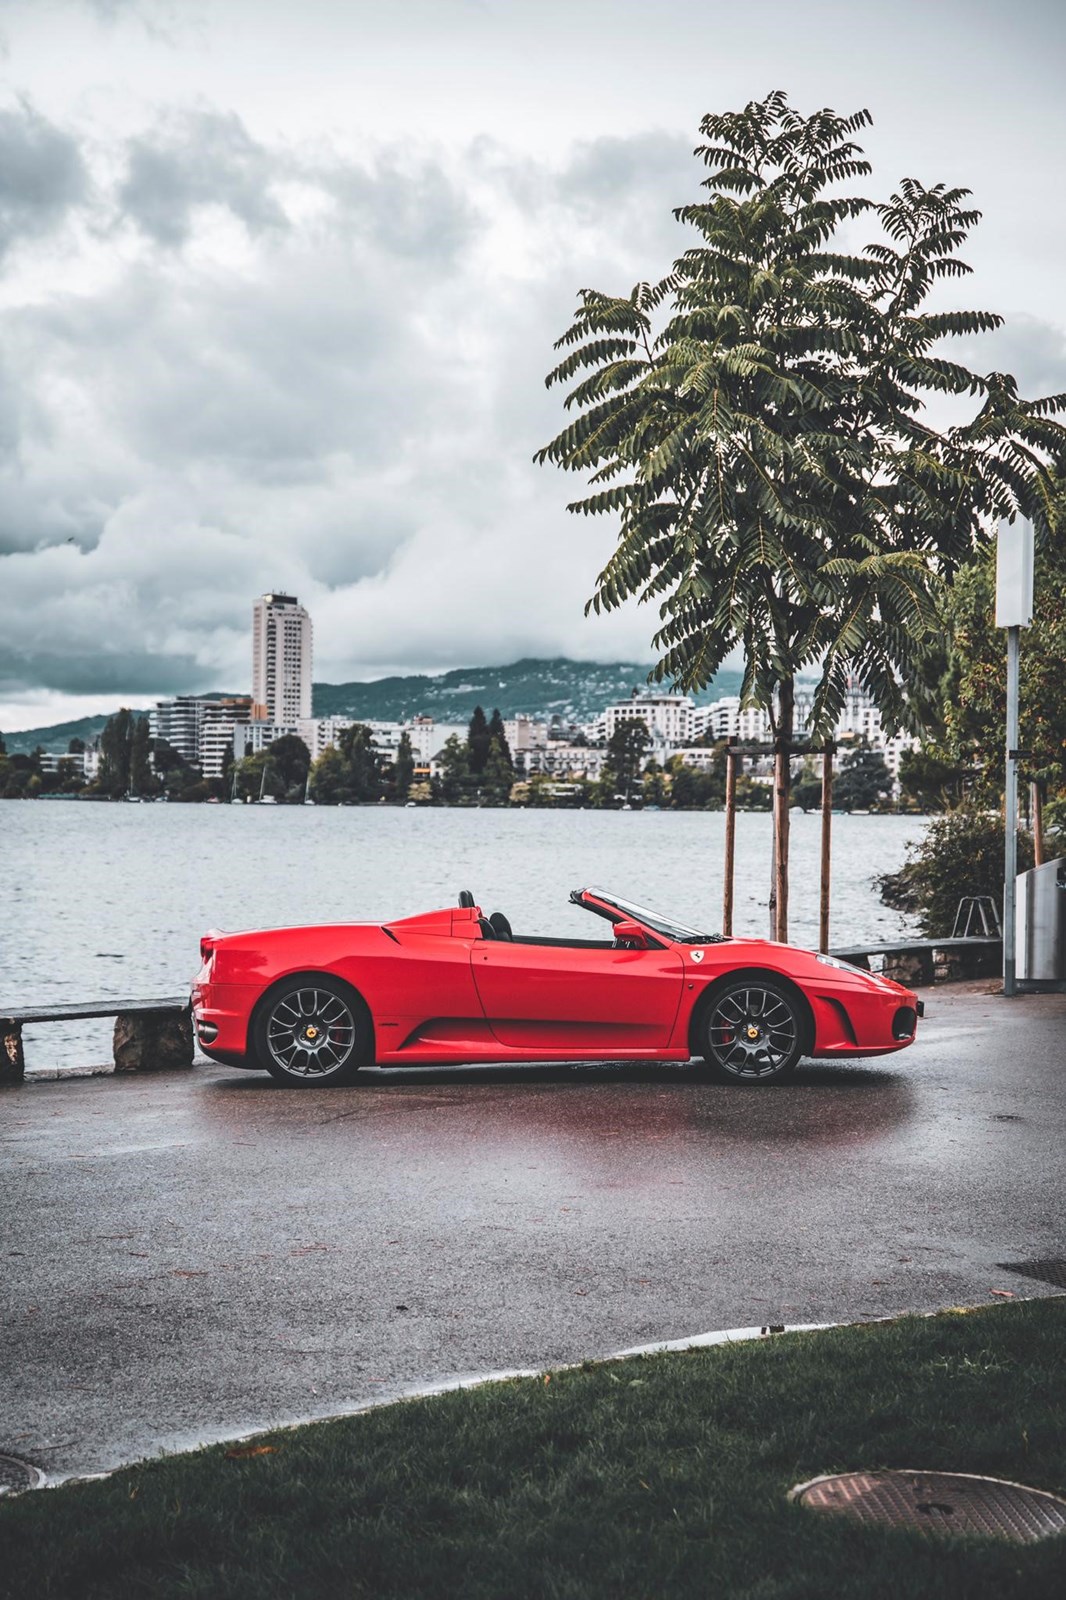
(281, 659)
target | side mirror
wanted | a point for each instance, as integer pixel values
(630, 933)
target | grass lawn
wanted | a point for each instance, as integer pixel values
(662, 1477)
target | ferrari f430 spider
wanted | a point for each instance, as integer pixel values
(312, 1005)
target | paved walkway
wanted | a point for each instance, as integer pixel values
(203, 1253)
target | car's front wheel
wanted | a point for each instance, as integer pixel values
(752, 1031)
(311, 1031)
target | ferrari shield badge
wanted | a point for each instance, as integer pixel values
(697, 955)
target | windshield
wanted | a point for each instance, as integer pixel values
(679, 932)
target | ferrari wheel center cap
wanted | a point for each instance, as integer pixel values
(312, 1033)
(753, 1032)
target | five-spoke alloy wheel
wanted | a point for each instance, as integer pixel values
(311, 1030)
(752, 1031)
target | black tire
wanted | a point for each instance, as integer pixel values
(312, 1030)
(752, 1029)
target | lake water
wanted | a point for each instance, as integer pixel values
(110, 900)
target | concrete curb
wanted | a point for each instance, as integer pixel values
(425, 1391)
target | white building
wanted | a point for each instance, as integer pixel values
(179, 721)
(524, 733)
(220, 719)
(667, 717)
(559, 760)
(51, 759)
(199, 729)
(282, 649)
(318, 733)
(249, 738)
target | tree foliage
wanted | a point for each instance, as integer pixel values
(350, 772)
(625, 758)
(974, 689)
(864, 782)
(754, 421)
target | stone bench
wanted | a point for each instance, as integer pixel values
(150, 1035)
(916, 962)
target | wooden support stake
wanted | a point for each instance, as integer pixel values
(730, 838)
(1036, 809)
(782, 760)
(827, 834)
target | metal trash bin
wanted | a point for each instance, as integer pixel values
(1041, 927)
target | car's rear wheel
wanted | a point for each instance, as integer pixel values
(311, 1030)
(752, 1031)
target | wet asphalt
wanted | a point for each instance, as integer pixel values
(194, 1255)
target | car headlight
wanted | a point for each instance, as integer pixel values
(831, 961)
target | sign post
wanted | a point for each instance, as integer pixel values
(1014, 611)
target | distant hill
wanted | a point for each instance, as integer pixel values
(573, 690)
(55, 737)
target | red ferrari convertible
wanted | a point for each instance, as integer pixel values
(313, 1005)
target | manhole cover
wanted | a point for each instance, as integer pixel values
(1045, 1271)
(16, 1475)
(939, 1503)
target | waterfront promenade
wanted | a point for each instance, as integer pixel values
(198, 1254)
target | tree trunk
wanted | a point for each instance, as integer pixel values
(782, 796)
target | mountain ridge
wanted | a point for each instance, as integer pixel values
(575, 691)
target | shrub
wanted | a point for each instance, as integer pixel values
(961, 854)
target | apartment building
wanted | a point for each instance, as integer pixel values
(282, 652)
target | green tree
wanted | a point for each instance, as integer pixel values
(807, 793)
(961, 854)
(496, 731)
(498, 775)
(754, 420)
(330, 778)
(931, 779)
(364, 762)
(653, 785)
(864, 781)
(290, 760)
(974, 690)
(478, 740)
(454, 761)
(142, 779)
(257, 776)
(625, 758)
(403, 767)
(116, 745)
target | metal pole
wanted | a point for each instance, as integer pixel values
(1010, 852)
(730, 836)
(827, 831)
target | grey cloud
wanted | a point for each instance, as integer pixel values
(408, 209)
(121, 673)
(347, 406)
(1033, 350)
(651, 166)
(194, 160)
(42, 174)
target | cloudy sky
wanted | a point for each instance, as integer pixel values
(279, 284)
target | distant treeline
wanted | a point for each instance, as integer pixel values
(480, 770)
